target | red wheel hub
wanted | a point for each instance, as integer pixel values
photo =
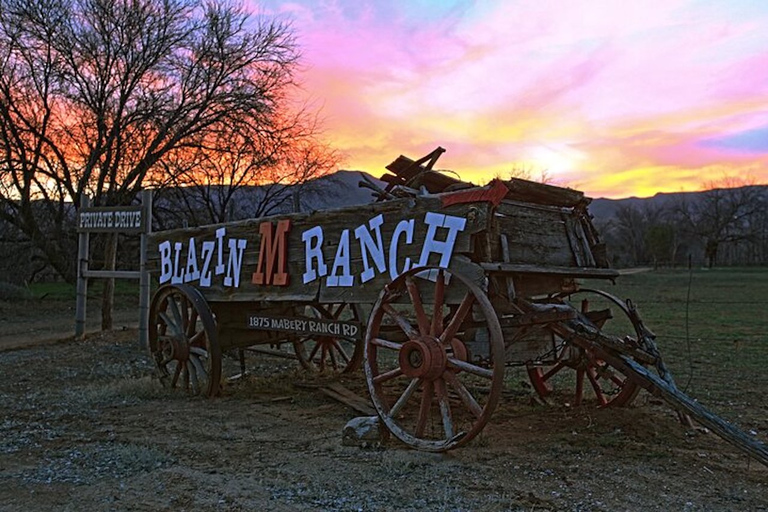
(423, 358)
(176, 348)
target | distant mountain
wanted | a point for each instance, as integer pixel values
(339, 190)
(605, 209)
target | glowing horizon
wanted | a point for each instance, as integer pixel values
(615, 99)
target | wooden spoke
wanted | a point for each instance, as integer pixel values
(167, 322)
(177, 323)
(555, 369)
(199, 351)
(463, 393)
(453, 326)
(566, 373)
(470, 368)
(418, 307)
(185, 313)
(176, 374)
(391, 374)
(343, 353)
(336, 314)
(579, 386)
(392, 345)
(192, 369)
(192, 325)
(401, 322)
(197, 339)
(185, 374)
(437, 315)
(404, 397)
(427, 390)
(445, 408)
(314, 351)
(596, 386)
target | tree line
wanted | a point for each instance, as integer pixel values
(726, 224)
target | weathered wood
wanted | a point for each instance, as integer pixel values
(665, 389)
(537, 344)
(346, 396)
(583, 272)
(335, 225)
(541, 193)
(683, 403)
(543, 236)
(411, 173)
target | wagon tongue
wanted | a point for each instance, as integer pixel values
(625, 358)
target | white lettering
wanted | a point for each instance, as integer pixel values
(220, 234)
(403, 227)
(192, 272)
(207, 254)
(166, 266)
(313, 242)
(341, 262)
(235, 263)
(368, 246)
(443, 248)
(178, 270)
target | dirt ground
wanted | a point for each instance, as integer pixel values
(84, 426)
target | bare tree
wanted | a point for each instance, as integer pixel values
(728, 212)
(528, 172)
(95, 93)
(248, 174)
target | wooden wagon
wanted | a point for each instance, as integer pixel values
(436, 288)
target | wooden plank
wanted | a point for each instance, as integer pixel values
(405, 225)
(346, 396)
(542, 193)
(585, 272)
(116, 274)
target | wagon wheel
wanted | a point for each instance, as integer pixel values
(582, 370)
(338, 354)
(434, 371)
(183, 340)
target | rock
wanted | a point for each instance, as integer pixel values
(363, 431)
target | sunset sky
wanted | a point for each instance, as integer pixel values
(613, 97)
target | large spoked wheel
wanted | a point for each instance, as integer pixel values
(434, 358)
(589, 378)
(183, 342)
(332, 352)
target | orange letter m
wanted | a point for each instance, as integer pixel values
(271, 247)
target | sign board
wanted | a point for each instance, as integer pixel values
(111, 219)
(344, 255)
(308, 326)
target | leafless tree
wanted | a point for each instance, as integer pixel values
(528, 172)
(248, 174)
(94, 94)
(727, 213)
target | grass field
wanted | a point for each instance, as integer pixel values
(711, 331)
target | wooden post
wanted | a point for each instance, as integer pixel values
(146, 203)
(83, 242)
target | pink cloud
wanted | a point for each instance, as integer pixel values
(592, 89)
